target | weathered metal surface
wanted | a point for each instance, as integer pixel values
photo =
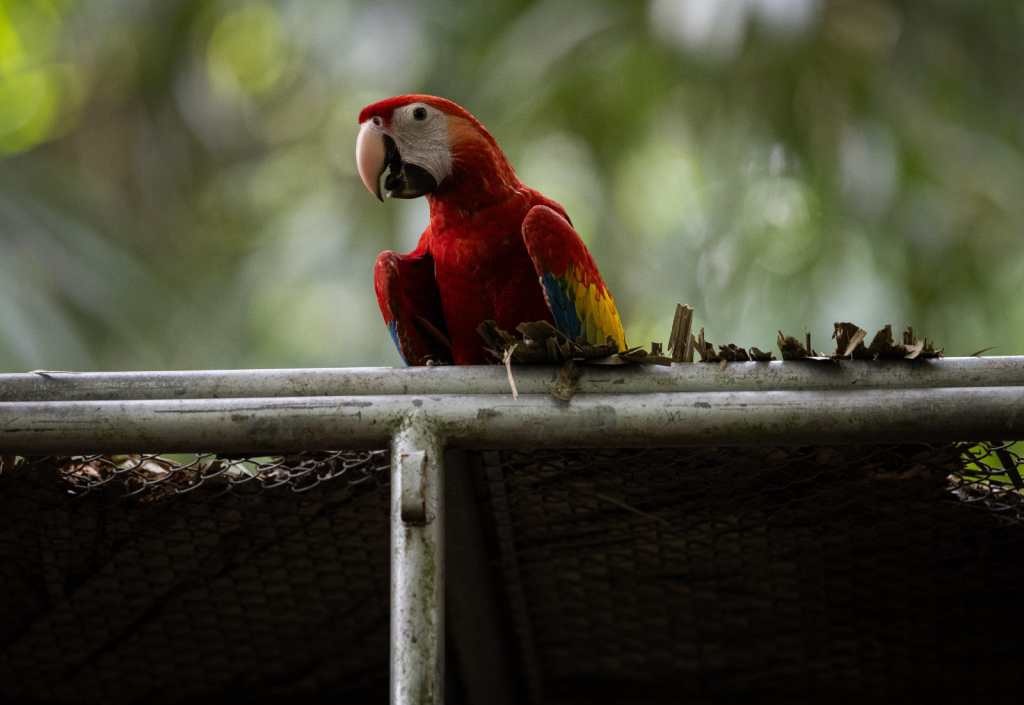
(498, 421)
(417, 566)
(413, 466)
(491, 379)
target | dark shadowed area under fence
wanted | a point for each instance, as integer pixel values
(642, 575)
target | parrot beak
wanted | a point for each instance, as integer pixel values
(376, 151)
(371, 157)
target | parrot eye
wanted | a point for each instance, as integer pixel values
(419, 113)
(377, 121)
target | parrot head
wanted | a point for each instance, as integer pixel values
(428, 146)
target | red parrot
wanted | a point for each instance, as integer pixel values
(493, 249)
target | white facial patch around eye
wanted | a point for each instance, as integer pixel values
(421, 133)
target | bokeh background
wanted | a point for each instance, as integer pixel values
(177, 186)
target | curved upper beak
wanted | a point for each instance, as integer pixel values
(371, 157)
(376, 152)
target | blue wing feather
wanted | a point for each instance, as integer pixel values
(563, 308)
(393, 330)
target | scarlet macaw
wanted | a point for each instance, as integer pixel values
(494, 248)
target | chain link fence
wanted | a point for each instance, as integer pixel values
(986, 474)
(721, 572)
(148, 578)
(776, 572)
(153, 476)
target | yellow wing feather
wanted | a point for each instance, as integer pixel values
(596, 309)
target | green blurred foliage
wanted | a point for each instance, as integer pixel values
(177, 187)
(983, 464)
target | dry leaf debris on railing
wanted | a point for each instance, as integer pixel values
(540, 343)
(850, 339)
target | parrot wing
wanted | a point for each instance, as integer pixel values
(411, 305)
(580, 303)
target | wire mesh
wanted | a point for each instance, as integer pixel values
(990, 477)
(201, 577)
(988, 473)
(640, 574)
(782, 572)
(154, 476)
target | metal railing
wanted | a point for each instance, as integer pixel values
(420, 412)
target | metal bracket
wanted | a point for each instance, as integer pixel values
(414, 491)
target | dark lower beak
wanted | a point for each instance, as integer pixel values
(404, 180)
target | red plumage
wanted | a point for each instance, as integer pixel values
(471, 263)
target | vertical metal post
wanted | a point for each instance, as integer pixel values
(417, 564)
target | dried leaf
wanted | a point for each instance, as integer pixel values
(849, 339)
(733, 353)
(883, 346)
(680, 341)
(914, 350)
(758, 355)
(539, 331)
(633, 354)
(791, 348)
(918, 348)
(507, 359)
(539, 342)
(704, 348)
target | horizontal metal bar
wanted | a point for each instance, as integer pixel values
(491, 379)
(485, 421)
